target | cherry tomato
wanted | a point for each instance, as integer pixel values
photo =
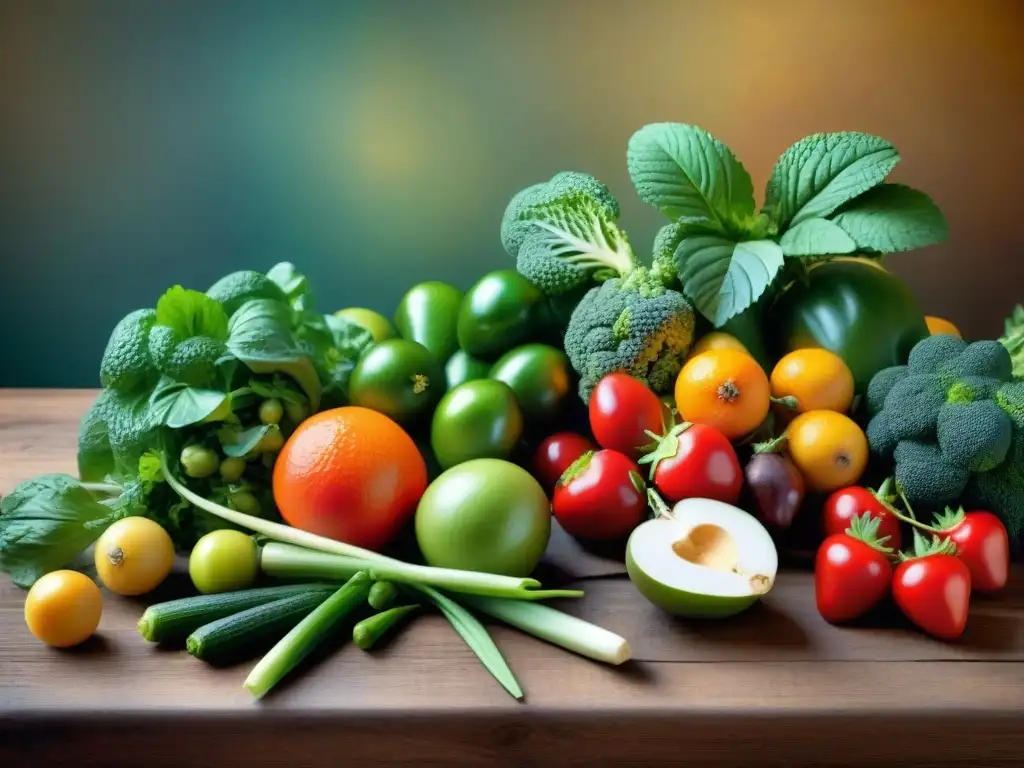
(695, 461)
(846, 503)
(934, 592)
(556, 454)
(852, 572)
(600, 497)
(983, 546)
(622, 410)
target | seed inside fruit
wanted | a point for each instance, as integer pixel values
(710, 546)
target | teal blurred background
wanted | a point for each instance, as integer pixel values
(376, 144)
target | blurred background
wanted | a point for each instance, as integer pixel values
(375, 144)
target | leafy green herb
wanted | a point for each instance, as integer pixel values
(892, 218)
(191, 313)
(177, 405)
(240, 442)
(816, 237)
(295, 285)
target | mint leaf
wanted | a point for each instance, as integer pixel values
(684, 171)
(892, 218)
(177, 405)
(191, 313)
(239, 442)
(822, 171)
(816, 237)
(723, 277)
(294, 284)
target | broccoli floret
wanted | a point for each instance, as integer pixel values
(191, 361)
(881, 438)
(125, 366)
(563, 233)
(881, 385)
(926, 476)
(233, 290)
(635, 325)
(971, 388)
(976, 435)
(912, 406)
(988, 359)
(663, 265)
(933, 352)
(1010, 399)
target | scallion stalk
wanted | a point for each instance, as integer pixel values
(470, 582)
(367, 632)
(314, 629)
(287, 561)
(544, 622)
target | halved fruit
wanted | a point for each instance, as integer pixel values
(707, 559)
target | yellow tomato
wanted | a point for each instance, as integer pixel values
(63, 608)
(828, 448)
(133, 556)
(937, 325)
(717, 340)
(816, 378)
(724, 389)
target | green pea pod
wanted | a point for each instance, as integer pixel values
(428, 314)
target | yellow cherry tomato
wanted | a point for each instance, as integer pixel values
(937, 325)
(816, 378)
(828, 448)
(717, 340)
(63, 608)
(133, 556)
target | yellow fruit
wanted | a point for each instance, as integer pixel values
(724, 389)
(816, 378)
(63, 608)
(828, 448)
(379, 326)
(937, 325)
(717, 340)
(133, 556)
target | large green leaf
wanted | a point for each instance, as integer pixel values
(892, 218)
(178, 405)
(723, 277)
(822, 171)
(816, 237)
(191, 313)
(684, 171)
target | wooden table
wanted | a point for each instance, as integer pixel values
(774, 686)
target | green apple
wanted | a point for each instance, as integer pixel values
(379, 326)
(705, 559)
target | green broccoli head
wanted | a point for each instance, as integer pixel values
(190, 360)
(126, 366)
(663, 265)
(635, 325)
(564, 233)
(926, 476)
(934, 352)
(976, 435)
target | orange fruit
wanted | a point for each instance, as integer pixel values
(350, 474)
(937, 325)
(717, 340)
(828, 448)
(725, 389)
(816, 378)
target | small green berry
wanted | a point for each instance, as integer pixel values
(199, 462)
(271, 411)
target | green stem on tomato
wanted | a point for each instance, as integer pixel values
(891, 508)
(661, 509)
(775, 445)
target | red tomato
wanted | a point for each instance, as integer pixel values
(982, 544)
(846, 503)
(556, 454)
(696, 461)
(851, 573)
(601, 497)
(934, 592)
(622, 410)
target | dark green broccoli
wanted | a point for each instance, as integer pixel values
(126, 366)
(952, 423)
(634, 325)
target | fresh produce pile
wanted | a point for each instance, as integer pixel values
(334, 474)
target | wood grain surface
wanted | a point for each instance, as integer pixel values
(774, 686)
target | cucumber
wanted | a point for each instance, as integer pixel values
(243, 635)
(173, 621)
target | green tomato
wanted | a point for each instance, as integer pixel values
(484, 515)
(199, 461)
(858, 310)
(462, 367)
(539, 375)
(478, 419)
(498, 313)
(378, 326)
(223, 561)
(245, 502)
(272, 442)
(428, 313)
(271, 411)
(232, 469)
(398, 378)
(296, 412)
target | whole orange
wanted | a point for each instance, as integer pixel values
(725, 389)
(817, 378)
(351, 474)
(828, 448)
(937, 325)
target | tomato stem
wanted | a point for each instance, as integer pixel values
(775, 445)
(661, 509)
(884, 500)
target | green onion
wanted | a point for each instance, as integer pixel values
(476, 637)
(556, 627)
(470, 582)
(303, 639)
(382, 595)
(286, 561)
(367, 632)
